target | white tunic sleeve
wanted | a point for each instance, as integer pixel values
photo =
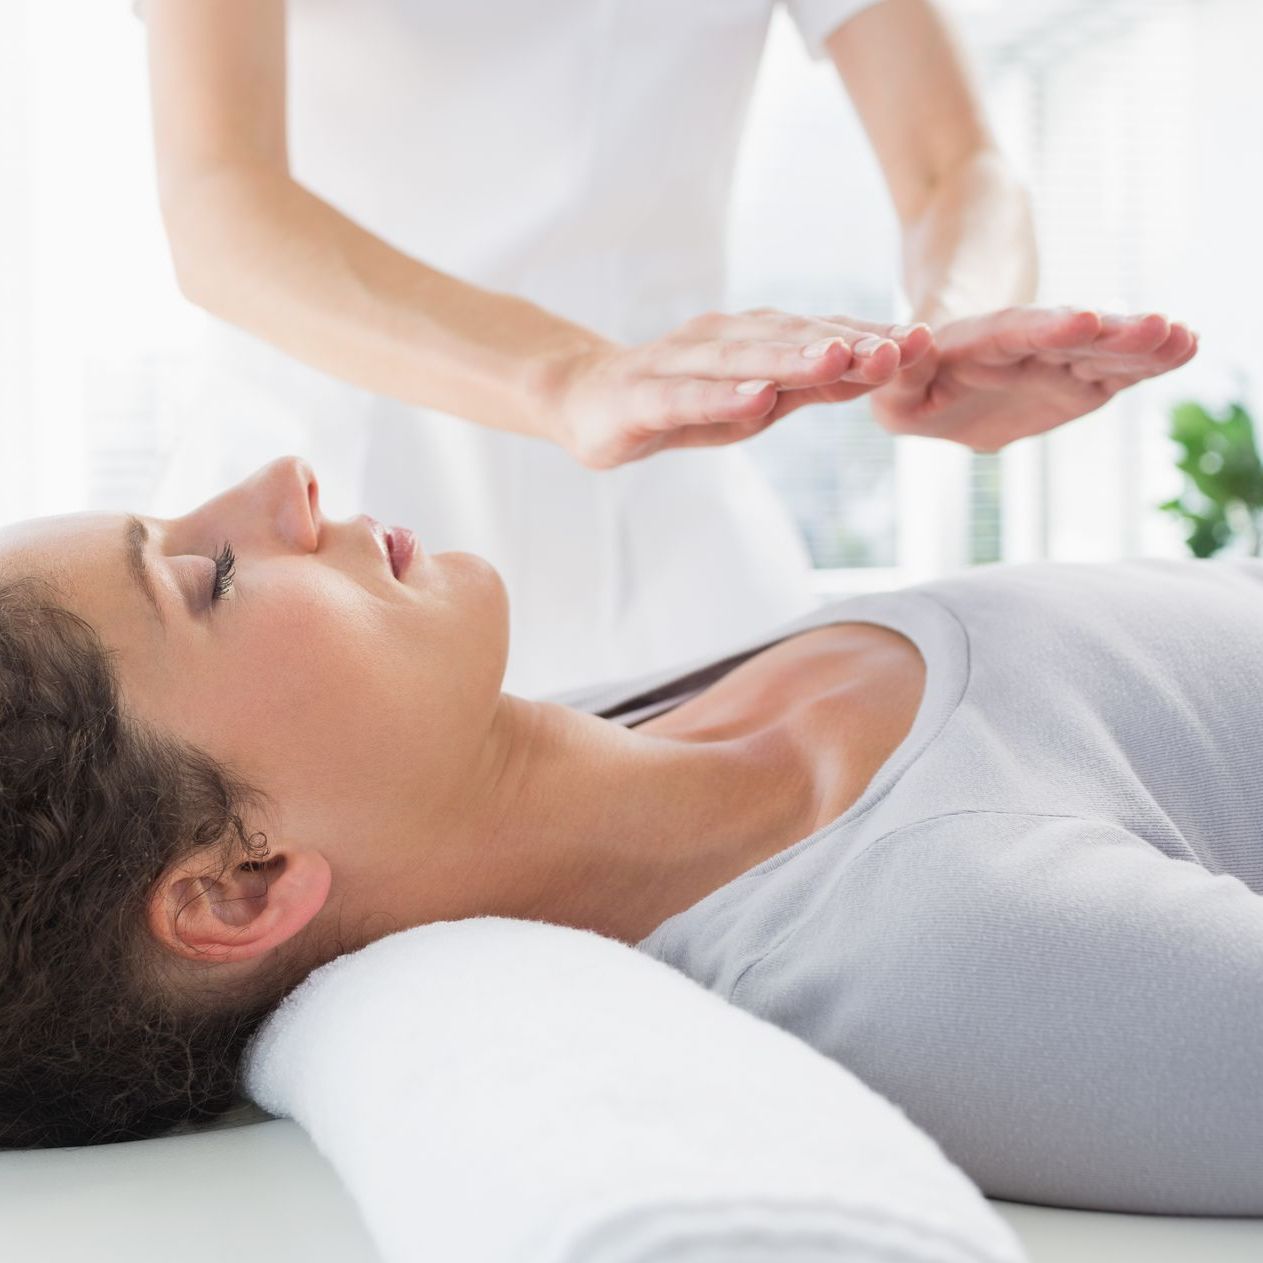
(818, 19)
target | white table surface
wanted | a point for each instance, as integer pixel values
(260, 1193)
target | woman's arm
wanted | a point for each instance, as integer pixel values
(255, 248)
(968, 236)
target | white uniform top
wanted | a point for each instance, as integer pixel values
(579, 153)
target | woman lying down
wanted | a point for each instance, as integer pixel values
(993, 842)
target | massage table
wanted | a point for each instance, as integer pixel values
(253, 1188)
(556, 1141)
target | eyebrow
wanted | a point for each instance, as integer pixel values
(136, 535)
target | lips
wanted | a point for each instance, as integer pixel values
(398, 545)
(401, 545)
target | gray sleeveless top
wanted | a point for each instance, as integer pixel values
(1126, 692)
(1038, 930)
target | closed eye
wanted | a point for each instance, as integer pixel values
(225, 561)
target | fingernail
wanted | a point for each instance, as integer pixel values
(906, 331)
(752, 387)
(869, 346)
(817, 349)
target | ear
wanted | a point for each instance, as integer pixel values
(246, 911)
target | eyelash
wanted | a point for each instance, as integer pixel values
(224, 560)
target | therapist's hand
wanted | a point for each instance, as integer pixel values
(1002, 376)
(718, 378)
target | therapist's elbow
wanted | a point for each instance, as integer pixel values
(192, 274)
(199, 267)
(201, 215)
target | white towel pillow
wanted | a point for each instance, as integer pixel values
(501, 1091)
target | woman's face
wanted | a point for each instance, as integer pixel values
(357, 701)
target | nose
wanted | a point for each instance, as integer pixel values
(280, 502)
(290, 491)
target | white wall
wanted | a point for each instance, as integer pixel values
(99, 307)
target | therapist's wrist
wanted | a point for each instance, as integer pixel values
(550, 380)
(971, 249)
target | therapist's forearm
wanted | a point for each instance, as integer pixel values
(258, 250)
(971, 248)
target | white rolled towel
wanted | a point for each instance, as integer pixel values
(494, 1090)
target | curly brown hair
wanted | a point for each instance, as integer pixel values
(104, 1035)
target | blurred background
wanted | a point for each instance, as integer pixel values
(1137, 123)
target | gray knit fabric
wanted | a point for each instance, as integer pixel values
(1039, 931)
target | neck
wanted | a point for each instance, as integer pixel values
(583, 822)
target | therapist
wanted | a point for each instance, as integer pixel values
(436, 234)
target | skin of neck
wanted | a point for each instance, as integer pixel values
(579, 821)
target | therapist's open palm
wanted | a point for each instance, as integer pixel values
(719, 378)
(1002, 376)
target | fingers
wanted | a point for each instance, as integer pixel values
(1185, 337)
(1132, 335)
(913, 340)
(663, 404)
(794, 351)
(1145, 347)
(1016, 333)
(1092, 345)
(671, 403)
(850, 355)
(785, 363)
(877, 360)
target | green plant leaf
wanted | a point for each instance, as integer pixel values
(1221, 465)
(1220, 456)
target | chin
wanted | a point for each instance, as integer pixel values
(482, 591)
(469, 568)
